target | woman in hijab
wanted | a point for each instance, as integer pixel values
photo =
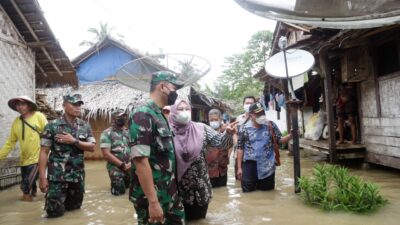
(191, 140)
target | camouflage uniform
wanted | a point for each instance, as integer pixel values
(116, 140)
(151, 137)
(65, 171)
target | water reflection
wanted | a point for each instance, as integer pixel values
(229, 205)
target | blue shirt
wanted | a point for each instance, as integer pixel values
(257, 145)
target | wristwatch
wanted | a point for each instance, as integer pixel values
(122, 166)
(76, 142)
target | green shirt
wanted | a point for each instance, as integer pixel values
(116, 140)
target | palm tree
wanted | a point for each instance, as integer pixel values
(101, 34)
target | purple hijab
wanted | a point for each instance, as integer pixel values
(188, 140)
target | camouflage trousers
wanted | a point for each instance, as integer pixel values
(63, 196)
(174, 214)
(119, 181)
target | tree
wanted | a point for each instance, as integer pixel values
(237, 79)
(100, 34)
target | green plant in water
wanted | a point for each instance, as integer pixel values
(332, 188)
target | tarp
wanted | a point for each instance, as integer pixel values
(102, 64)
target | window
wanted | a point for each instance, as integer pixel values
(387, 58)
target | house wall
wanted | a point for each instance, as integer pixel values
(17, 77)
(17, 73)
(381, 132)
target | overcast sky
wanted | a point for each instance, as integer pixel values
(213, 29)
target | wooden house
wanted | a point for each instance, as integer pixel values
(369, 60)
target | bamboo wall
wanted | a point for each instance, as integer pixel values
(17, 77)
(380, 119)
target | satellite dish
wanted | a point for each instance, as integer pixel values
(337, 14)
(298, 62)
(137, 73)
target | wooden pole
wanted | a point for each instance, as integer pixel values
(294, 105)
(286, 93)
(326, 72)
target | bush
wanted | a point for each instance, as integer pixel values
(332, 188)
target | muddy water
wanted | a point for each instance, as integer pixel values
(229, 206)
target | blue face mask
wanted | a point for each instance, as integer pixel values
(215, 124)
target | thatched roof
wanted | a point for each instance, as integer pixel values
(53, 67)
(102, 98)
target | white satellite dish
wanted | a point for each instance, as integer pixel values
(137, 73)
(336, 14)
(298, 61)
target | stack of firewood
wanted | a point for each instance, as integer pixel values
(44, 107)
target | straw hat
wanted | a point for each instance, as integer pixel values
(13, 102)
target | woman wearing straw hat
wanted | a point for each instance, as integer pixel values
(26, 130)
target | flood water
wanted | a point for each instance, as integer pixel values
(229, 205)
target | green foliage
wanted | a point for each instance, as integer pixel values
(332, 188)
(237, 79)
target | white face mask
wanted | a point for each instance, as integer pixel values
(246, 107)
(215, 124)
(261, 120)
(184, 117)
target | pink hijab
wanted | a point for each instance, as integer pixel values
(188, 140)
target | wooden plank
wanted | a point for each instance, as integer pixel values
(325, 69)
(319, 144)
(376, 82)
(371, 122)
(383, 149)
(382, 131)
(315, 149)
(349, 152)
(323, 144)
(355, 155)
(381, 122)
(382, 140)
(12, 41)
(393, 162)
(39, 44)
(388, 122)
(389, 93)
(368, 99)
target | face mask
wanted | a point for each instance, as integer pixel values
(184, 117)
(172, 97)
(215, 124)
(261, 120)
(120, 122)
(246, 107)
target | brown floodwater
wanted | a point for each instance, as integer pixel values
(229, 205)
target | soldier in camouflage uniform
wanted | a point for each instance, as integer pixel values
(66, 138)
(153, 189)
(114, 145)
